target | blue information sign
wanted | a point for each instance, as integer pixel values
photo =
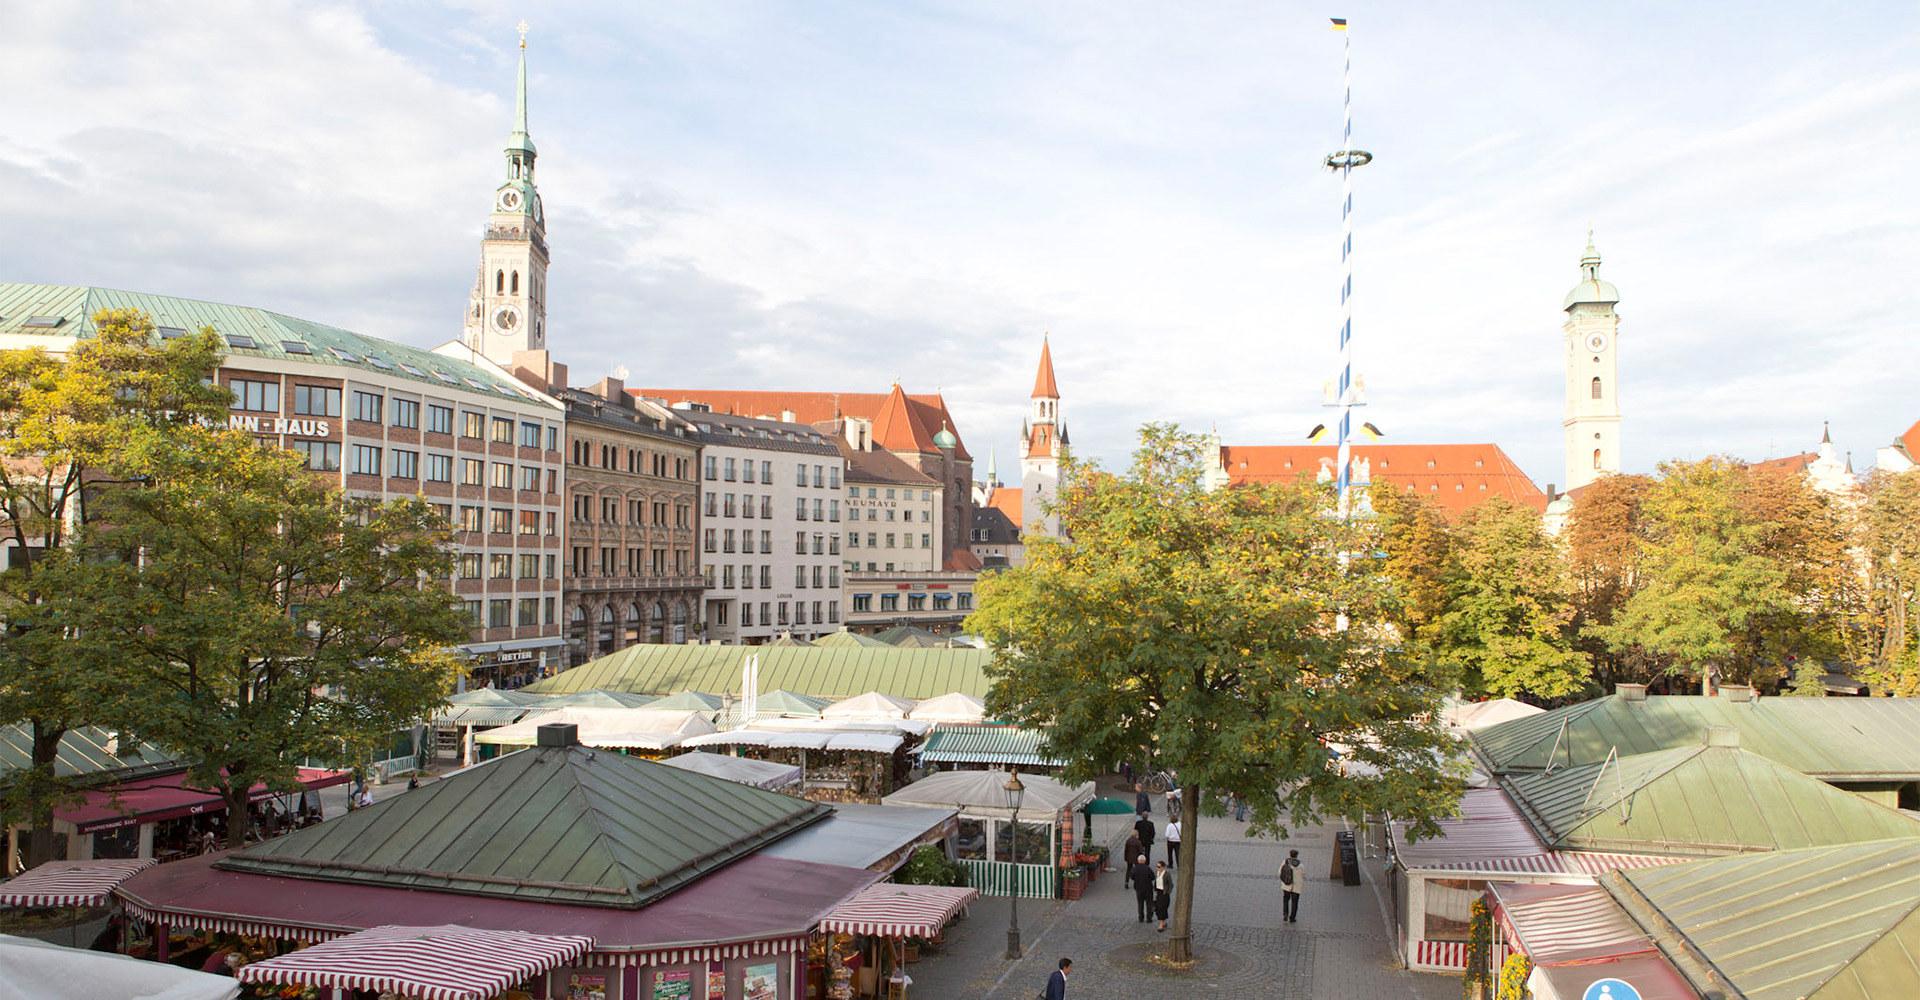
(1610, 989)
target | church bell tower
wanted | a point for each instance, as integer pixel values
(1044, 437)
(1592, 420)
(508, 309)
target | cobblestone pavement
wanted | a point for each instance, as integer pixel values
(1338, 950)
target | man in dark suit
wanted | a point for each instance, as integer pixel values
(1057, 983)
(1144, 827)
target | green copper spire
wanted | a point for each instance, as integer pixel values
(520, 140)
(993, 474)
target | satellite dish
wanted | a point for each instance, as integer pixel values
(620, 373)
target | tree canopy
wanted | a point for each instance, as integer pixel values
(1231, 635)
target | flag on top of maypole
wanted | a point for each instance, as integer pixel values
(1339, 23)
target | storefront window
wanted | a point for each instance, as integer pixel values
(1450, 907)
(1034, 845)
(971, 842)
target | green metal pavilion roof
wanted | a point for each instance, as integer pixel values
(86, 751)
(74, 305)
(1824, 923)
(911, 636)
(591, 699)
(844, 639)
(1698, 800)
(1838, 739)
(975, 744)
(548, 824)
(825, 673)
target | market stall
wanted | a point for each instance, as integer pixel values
(1029, 850)
(448, 962)
(43, 971)
(758, 773)
(958, 706)
(165, 817)
(894, 914)
(642, 729)
(871, 706)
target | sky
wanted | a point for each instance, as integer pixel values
(832, 195)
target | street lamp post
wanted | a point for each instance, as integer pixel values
(1015, 792)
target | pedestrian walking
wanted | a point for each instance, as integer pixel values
(1141, 874)
(1142, 803)
(1162, 893)
(1127, 855)
(1173, 842)
(1143, 828)
(1291, 879)
(1057, 983)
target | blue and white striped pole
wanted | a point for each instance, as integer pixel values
(1344, 161)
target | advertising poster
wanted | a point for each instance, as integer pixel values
(760, 982)
(717, 984)
(673, 985)
(586, 987)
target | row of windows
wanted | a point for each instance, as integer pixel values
(821, 576)
(741, 470)
(507, 612)
(718, 540)
(325, 401)
(873, 514)
(635, 562)
(404, 463)
(727, 505)
(507, 566)
(906, 540)
(775, 613)
(607, 456)
(873, 493)
(610, 511)
(863, 603)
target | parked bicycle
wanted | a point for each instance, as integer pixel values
(1159, 781)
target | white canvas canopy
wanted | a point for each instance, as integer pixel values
(983, 794)
(956, 707)
(43, 971)
(872, 705)
(1481, 714)
(641, 728)
(745, 770)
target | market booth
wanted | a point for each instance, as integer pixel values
(162, 816)
(658, 868)
(1029, 850)
(41, 971)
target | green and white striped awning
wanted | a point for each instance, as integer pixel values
(970, 744)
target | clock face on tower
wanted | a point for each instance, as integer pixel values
(506, 319)
(1596, 342)
(510, 200)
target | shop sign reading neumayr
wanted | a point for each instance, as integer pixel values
(278, 425)
(851, 502)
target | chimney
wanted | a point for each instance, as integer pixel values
(1737, 692)
(557, 734)
(1631, 692)
(787, 416)
(612, 390)
(1722, 736)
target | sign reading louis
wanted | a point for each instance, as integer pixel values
(1610, 989)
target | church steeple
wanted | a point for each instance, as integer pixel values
(1041, 446)
(508, 309)
(1591, 336)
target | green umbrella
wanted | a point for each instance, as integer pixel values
(1105, 807)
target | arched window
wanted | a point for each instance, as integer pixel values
(516, 291)
(1596, 387)
(576, 615)
(633, 612)
(1596, 458)
(499, 281)
(606, 616)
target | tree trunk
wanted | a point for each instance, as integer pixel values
(46, 752)
(237, 815)
(1182, 931)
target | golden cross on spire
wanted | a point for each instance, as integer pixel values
(522, 28)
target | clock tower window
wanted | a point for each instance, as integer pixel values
(1596, 387)
(516, 288)
(500, 282)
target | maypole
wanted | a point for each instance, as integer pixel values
(1344, 161)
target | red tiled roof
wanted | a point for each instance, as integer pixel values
(1456, 476)
(1910, 441)
(1008, 501)
(815, 407)
(1041, 442)
(898, 428)
(963, 561)
(1043, 384)
(1791, 463)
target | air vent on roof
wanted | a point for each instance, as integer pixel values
(411, 370)
(377, 363)
(242, 341)
(170, 332)
(295, 347)
(444, 377)
(342, 355)
(44, 322)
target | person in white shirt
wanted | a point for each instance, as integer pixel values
(1173, 843)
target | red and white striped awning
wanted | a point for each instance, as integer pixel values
(890, 910)
(71, 883)
(448, 962)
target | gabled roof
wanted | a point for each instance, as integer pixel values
(1850, 739)
(844, 639)
(883, 467)
(914, 637)
(1456, 476)
(76, 304)
(984, 793)
(1824, 923)
(86, 751)
(592, 699)
(992, 526)
(830, 673)
(1698, 800)
(1009, 502)
(771, 704)
(1790, 463)
(551, 824)
(898, 428)
(815, 407)
(1043, 385)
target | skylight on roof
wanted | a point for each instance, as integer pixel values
(503, 390)
(170, 332)
(377, 363)
(448, 379)
(411, 370)
(241, 340)
(342, 355)
(295, 347)
(44, 322)
(475, 384)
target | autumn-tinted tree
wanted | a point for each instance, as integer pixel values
(1508, 621)
(1231, 635)
(67, 427)
(1889, 539)
(264, 618)
(1602, 540)
(1416, 554)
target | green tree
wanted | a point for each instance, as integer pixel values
(1417, 554)
(1603, 556)
(67, 427)
(1225, 634)
(1889, 540)
(263, 617)
(1508, 620)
